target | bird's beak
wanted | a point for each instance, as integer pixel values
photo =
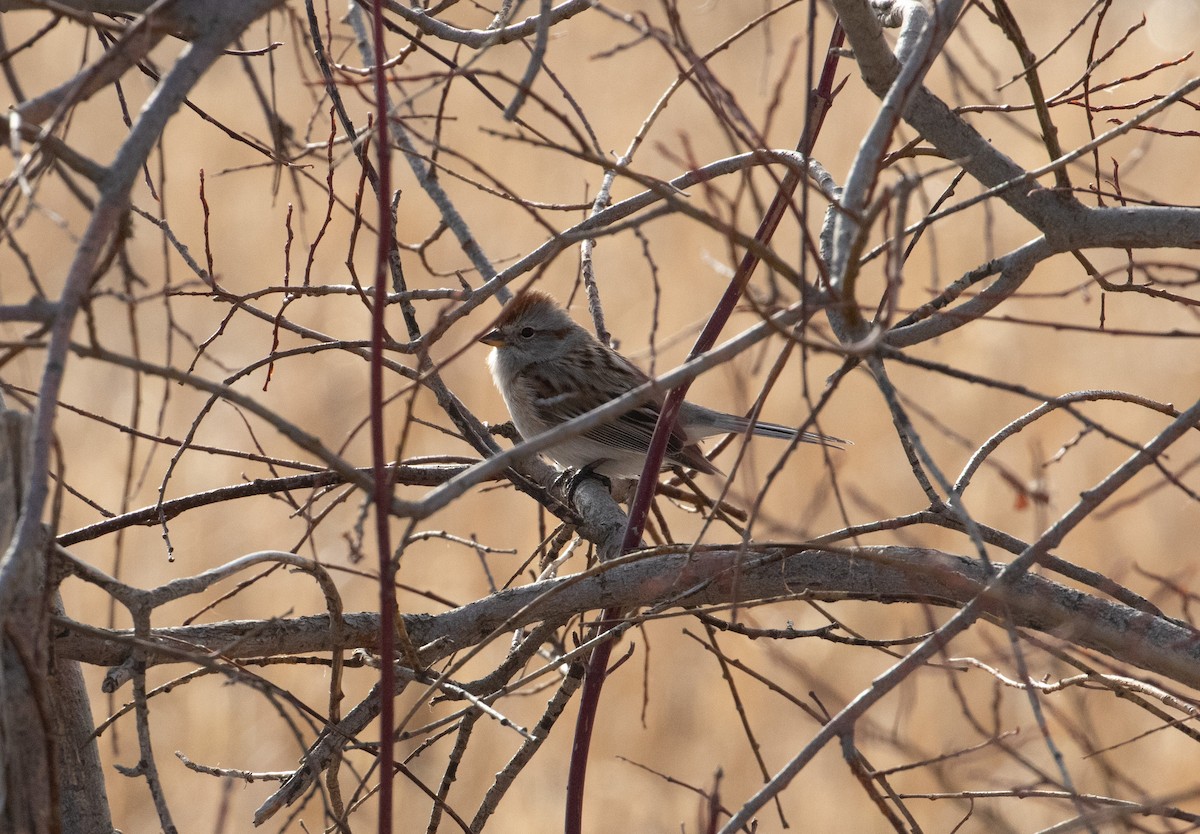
(493, 338)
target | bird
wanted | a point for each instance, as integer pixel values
(550, 369)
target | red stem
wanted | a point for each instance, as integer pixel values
(382, 498)
(589, 700)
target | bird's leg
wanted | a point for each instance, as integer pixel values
(583, 473)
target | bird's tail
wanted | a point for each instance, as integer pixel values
(738, 425)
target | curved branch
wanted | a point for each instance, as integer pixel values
(928, 114)
(714, 576)
(480, 38)
(656, 191)
(1022, 422)
(930, 321)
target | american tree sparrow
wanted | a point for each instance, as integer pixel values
(549, 369)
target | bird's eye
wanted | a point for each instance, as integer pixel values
(526, 332)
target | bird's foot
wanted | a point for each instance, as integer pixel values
(573, 478)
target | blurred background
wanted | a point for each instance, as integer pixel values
(667, 712)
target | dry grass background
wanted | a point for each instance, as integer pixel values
(667, 708)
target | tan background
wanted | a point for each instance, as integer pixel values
(689, 729)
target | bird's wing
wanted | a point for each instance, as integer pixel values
(633, 430)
